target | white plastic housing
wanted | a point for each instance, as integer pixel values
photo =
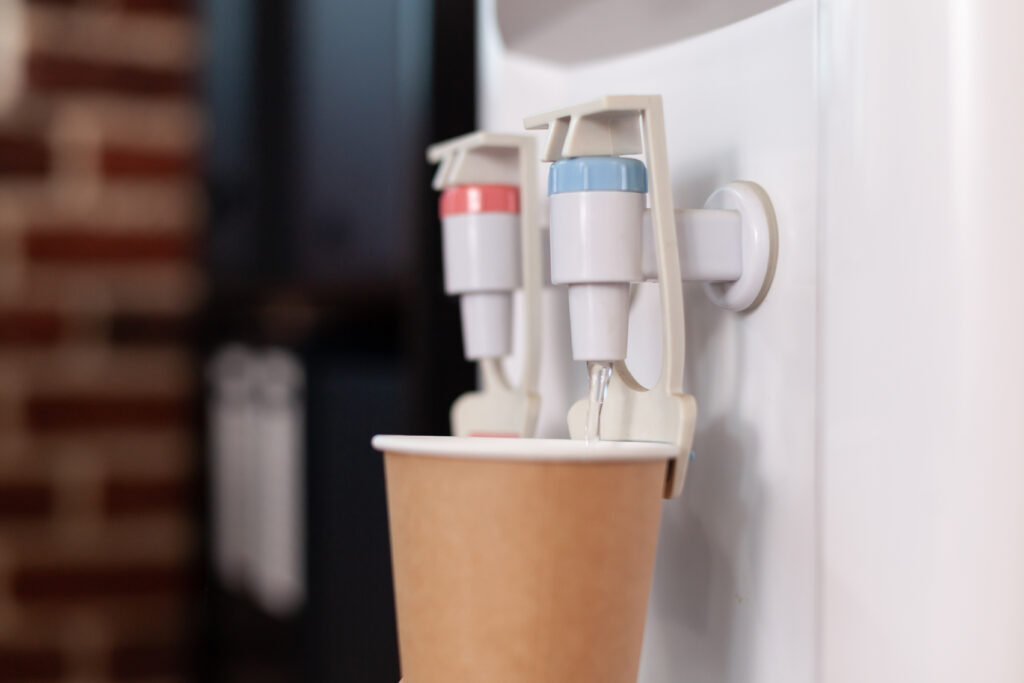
(596, 237)
(854, 510)
(481, 252)
(596, 246)
(482, 263)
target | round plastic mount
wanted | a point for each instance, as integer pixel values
(759, 242)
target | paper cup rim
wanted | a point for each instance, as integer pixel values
(527, 450)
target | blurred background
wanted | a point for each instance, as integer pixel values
(219, 277)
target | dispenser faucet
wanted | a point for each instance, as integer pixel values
(491, 248)
(597, 209)
(602, 241)
(593, 138)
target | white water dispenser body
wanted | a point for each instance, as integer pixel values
(855, 485)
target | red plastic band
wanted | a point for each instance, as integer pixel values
(479, 199)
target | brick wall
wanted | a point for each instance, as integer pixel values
(99, 211)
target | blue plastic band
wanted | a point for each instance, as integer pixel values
(593, 174)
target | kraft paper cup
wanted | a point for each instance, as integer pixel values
(522, 560)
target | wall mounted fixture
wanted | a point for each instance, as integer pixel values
(731, 245)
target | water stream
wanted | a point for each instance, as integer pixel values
(600, 373)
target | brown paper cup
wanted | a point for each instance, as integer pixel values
(522, 569)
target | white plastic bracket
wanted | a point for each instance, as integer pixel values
(731, 245)
(612, 125)
(500, 407)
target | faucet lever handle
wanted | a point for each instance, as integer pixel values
(608, 126)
